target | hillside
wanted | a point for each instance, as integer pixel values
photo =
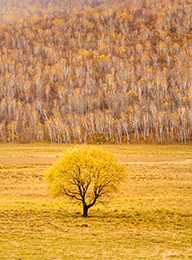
(13, 10)
(107, 71)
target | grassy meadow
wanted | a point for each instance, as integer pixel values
(149, 218)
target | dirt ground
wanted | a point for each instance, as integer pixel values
(50, 160)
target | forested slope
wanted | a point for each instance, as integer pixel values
(13, 10)
(111, 71)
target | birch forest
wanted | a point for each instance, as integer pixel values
(106, 71)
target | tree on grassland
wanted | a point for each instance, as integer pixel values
(85, 173)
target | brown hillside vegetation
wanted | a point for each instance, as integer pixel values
(12, 10)
(96, 74)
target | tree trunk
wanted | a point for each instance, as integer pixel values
(85, 210)
(87, 206)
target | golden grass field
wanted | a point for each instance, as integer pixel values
(149, 218)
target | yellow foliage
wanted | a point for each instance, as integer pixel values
(80, 58)
(85, 53)
(85, 172)
(132, 93)
(102, 56)
(185, 99)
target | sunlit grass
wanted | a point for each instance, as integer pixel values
(47, 149)
(149, 218)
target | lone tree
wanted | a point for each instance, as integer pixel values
(85, 173)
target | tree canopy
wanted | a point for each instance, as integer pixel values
(85, 173)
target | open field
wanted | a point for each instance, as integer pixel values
(149, 218)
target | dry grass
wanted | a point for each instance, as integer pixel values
(150, 218)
